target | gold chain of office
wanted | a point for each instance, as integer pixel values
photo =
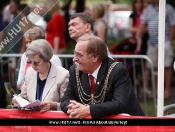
(92, 99)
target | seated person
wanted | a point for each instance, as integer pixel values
(44, 80)
(32, 34)
(111, 93)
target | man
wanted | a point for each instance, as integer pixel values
(80, 24)
(150, 19)
(112, 91)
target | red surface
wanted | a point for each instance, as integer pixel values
(12, 114)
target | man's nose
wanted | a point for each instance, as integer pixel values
(75, 59)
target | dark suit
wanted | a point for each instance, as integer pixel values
(119, 97)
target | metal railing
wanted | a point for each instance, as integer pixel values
(125, 58)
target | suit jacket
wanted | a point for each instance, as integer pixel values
(119, 97)
(54, 89)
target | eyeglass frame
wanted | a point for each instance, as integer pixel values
(34, 63)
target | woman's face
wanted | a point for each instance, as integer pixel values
(28, 41)
(36, 62)
(138, 5)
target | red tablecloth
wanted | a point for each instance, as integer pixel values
(14, 114)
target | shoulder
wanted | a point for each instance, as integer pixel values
(30, 71)
(59, 70)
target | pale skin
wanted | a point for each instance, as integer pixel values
(77, 28)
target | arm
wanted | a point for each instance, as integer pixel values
(171, 34)
(21, 71)
(120, 88)
(132, 29)
(139, 35)
(56, 44)
(101, 29)
(70, 93)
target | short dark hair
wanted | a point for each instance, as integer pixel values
(17, 3)
(85, 17)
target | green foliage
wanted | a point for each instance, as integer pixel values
(122, 1)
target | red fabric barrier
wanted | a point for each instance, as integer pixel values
(13, 114)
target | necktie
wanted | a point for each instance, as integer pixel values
(92, 83)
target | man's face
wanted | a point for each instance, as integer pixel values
(84, 61)
(77, 28)
(13, 8)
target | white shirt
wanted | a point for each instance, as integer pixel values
(55, 60)
(94, 74)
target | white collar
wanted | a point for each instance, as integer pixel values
(95, 73)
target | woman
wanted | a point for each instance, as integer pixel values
(100, 26)
(32, 34)
(55, 30)
(43, 81)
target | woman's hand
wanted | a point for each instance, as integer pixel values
(47, 106)
(14, 100)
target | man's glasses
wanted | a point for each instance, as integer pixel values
(34, 63)
(76, 54)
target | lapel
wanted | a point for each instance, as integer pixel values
(33, 85)
(50, 81)
(101, 77)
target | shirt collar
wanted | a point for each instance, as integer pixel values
(95, 73)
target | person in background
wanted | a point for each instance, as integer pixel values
(98, 86)
(149, 19)
(2, 93)
(32, 34)
(134, 23)
(44, 81)
(81, 24)
(100, 28)
(55, 30)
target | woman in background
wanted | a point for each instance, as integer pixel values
(97, 11)
(55, 30)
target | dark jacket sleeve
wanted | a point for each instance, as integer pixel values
(69, 93)
(123, 98)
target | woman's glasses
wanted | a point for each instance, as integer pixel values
(34, 63)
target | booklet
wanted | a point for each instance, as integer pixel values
(26, 104)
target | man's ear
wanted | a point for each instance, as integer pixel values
(88, 27)
(95, 58)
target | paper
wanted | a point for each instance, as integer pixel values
(25, 104)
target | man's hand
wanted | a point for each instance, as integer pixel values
(78, 110)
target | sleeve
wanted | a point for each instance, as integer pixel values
(23, 93)
(69, 93)
(144, 16)
(63, 88)
(56, 60)
(121, 93)
(171, 15)
(21, 70)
